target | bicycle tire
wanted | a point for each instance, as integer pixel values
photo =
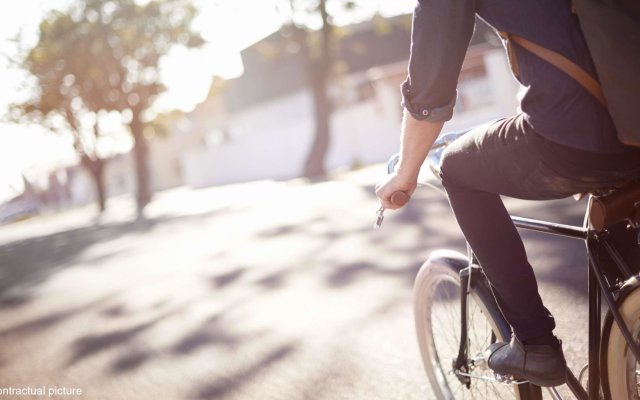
(622, 378)
(444, 267)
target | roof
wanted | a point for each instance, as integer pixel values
(270, 71)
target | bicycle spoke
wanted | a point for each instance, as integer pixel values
(445, 334)
(444, 323)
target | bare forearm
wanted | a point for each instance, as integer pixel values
(416, 141)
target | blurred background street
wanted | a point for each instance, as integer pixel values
(187, 199)
(270, 290)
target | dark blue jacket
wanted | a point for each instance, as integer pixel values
(555, 105)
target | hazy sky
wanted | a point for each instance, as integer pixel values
(228, 25)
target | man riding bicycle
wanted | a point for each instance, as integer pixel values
(561, 142)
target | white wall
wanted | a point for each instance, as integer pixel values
(271, 141)
(363, 133)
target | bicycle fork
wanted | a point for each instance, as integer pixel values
(461, 363)
(468, 276)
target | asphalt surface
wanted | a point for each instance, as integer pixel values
(264, 290)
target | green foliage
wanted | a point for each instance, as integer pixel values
(103, 56)
(100, 57)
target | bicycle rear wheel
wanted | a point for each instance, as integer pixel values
(621, 366)
(437, 313)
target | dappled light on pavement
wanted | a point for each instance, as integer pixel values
(258, 290)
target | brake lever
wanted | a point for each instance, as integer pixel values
(398, 199)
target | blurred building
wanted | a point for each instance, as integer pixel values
(198, 132)
(119, 179)
(181, 135)
(262, 127)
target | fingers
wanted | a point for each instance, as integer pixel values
(393, 192)
(399, 198)
(383, 197)
(391, 198)
(388, 205)
(396, 200)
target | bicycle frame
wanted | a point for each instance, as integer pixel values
(598, 288)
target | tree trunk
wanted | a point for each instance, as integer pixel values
(96, 169)
(318, 72)
(314, 167)
(140, 151)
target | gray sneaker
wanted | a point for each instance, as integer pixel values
(541, 365)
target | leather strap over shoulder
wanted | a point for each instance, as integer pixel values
(562, 63)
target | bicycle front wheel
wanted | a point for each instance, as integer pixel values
(437, 313)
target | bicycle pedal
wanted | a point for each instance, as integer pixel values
(509, 379)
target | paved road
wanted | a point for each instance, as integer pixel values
(267, 290)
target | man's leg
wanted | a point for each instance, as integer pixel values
(491, 234)
(476, 169)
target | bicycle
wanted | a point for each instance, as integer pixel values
(456, 315)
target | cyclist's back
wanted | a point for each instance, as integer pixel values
(557, 106)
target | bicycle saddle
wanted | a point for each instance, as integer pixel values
(610, 206)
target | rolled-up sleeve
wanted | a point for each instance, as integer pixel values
(440, 36)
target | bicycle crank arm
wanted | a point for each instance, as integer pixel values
(504, 379)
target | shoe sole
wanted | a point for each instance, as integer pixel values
(519, 381)
(535, 381)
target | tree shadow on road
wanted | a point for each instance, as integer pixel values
(347, 274)
(228, 384)
(38, 325)
(15, 300)
(96, 343)
(25, 264)
(226, 278)
(213, 331)
(134, 359)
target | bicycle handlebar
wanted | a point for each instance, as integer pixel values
(399, 199)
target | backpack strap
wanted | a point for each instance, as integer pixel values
(562, 63)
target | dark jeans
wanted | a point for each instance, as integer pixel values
(509, 158)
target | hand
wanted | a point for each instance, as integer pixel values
(394, 183)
